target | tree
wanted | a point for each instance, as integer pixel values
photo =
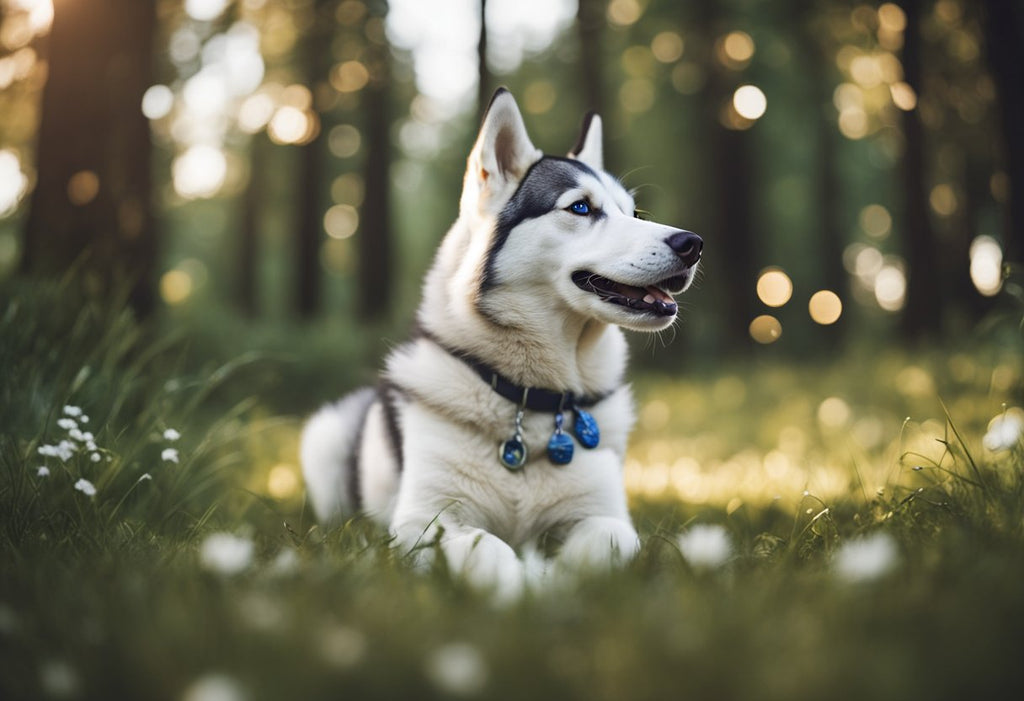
(590, 26)
(484, 79)
(1004, 30)
(92, 199)
(922, 314)
(375, 288)
(315, 56)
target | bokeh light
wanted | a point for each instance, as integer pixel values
(890, 288)
(349, 76)
(825, 307)
(255, 112)
(943, 200)
(283, 481)
(765, 329)
(774, 287)
(749, 101)
(735, 50)
(175, 287)
(834, 412)
(344, 140)
(83, 187)
(903, 96)
(623, 13)
(157, 102)
(205, 10)
(199, 172)
(13, 182)
(539, 97)
(667, 47)
(291, 125)
(341, 221)
(875, 221)
(986, 265)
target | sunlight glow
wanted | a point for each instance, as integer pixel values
(13, 182)
(282, 482)
(986, 265)
(735, 50)
(205, 10)
(344, 141)
(623, 13)
(903, 96)
(943, 200)
(774, 287)
(199, 172)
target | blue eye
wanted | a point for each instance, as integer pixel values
(580, 207)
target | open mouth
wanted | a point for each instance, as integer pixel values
(652, 299)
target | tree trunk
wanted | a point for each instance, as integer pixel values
(92, 199)
(249, 238)
(922, 313)
(316, 54)
(484, 79)
(590, 25)
(1004, 34)
(375, 283)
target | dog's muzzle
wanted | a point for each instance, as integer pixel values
(687, 245)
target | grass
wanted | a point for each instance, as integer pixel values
(111, 596)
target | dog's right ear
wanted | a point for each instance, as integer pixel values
(502, 154)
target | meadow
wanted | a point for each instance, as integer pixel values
(842, 529)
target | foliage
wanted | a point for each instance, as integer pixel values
(200, 581)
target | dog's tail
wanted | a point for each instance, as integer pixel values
(330, 453)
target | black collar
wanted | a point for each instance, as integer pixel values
(532, 398)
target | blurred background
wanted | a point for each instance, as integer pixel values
(263, 171)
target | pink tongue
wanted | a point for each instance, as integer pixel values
(659, 295)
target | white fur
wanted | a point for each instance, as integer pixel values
(537, 328)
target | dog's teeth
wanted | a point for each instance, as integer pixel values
(649, 299)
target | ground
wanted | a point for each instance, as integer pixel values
(840, 529)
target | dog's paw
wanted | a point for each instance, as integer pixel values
(486, 562)
(599, 543)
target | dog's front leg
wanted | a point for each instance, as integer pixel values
(598, 542)
(483, 559)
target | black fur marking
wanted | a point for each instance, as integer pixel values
(584, 130)
(389, 392)
(537, 194)
(354, 482)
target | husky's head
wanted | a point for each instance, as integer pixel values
(563, 234)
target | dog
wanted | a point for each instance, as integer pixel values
(503, 422)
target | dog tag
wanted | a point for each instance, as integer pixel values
(512, 453)
(586, 430)
(560, 447)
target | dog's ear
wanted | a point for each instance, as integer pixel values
(503, 151)
(588, 148)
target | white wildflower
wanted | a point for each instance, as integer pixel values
(43, 471)
(145, 476)
(84, 419)
(866, 558)
(214, 687)
(47, 450)
(706, 545)
(72, 410)
(86, 487)
(171, 435)
(458, 669)
(1004, 431)
(67, 424)
(91, 446)
(95, 457)
(64, 450)
(75, 434)
(169, 455)
(286, 562)
(226, 553)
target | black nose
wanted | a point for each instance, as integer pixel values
(687, 246)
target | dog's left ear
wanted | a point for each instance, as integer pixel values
(588, 148)
(503, 152)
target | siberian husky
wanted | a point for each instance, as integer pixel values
(504, 421)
